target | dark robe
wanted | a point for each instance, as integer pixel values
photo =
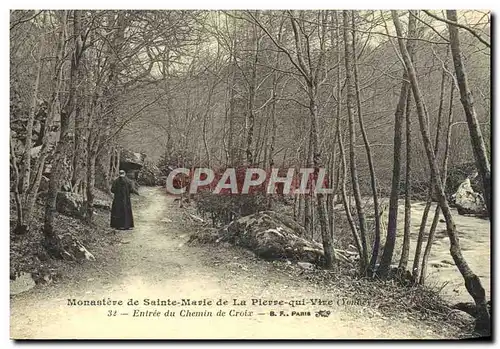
(121, 210)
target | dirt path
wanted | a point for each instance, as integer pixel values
(155, 263)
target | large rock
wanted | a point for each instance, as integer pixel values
(459, 173)
(149, 175)
(269, 237)
(21, 283)
(461, 317)
(468, 201)
(70, 204)
(131, 161)
(102, 204)
(74, 249)
(289, 222)
(47, 169)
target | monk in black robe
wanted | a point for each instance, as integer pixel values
(121, 210)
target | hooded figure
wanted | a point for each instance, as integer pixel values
(121, 210)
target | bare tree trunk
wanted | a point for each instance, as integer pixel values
(103, 166)
(112, 162)
(108, 100)
(205, 143)
(231, 114)
(476, 136)
(329, 197)
(352, 142)
(373, 179)
(20, 226)
(405, 252)
(326, 238)
(392, 223)
(308, 221)
(251, 99)
(421, 232)
(390, 241)
(90, 181)
(51, 241)
(29, 128)
(472, 281)
(260, 140)
(345, 200)
(205, 115)
(334, 168)
(432, 231)
(80, 135)
(79, 146)
(311, 76)
(423, 223)
(274, 127)
(92, 146)
(300, 204)
(334, 181)
(118, 155)
(44, 151)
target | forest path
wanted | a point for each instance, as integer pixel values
(154, 262)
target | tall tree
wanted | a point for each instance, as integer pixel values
(423, 223)
(29, 129)
(57, 173)
(476, 136)
(472, 281)
(437, 212)
(313, 75)
(405, 251)
(366, 142)
(348, 40)
(390, 241)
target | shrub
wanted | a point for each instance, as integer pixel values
(223, 208)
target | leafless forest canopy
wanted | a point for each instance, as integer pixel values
(391, 103)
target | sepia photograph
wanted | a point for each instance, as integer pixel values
(250, 174)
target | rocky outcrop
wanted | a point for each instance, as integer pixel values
(457, 174)
(72, 204)
(468, 201)
(21, 283)
(102, 204)
(149, 175)
(289, 222)
(461, 317)
(74, 249)
(47, 170)
(130, 161)
(269, 236)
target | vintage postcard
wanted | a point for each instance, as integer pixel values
(250, 174)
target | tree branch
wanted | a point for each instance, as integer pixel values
(456, 24)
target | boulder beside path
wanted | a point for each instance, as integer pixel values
(268, 236)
